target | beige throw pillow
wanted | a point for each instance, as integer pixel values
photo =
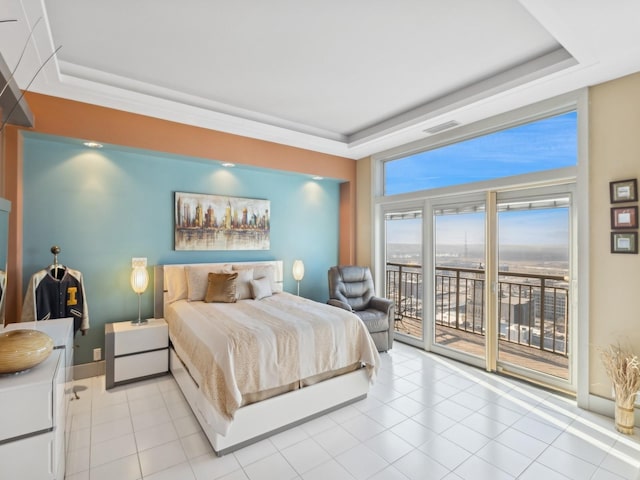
(221, 288)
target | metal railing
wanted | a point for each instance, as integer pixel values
(533, 310)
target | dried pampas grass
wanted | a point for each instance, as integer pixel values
(623, 368)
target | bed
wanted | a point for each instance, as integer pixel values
(262, 361)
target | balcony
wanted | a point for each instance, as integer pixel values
(532, 310)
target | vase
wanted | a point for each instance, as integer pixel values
(624, 417)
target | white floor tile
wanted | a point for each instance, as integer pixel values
(273, 467)
(156, 435)
(389, 473)
(425, 417)
(109, 413)
(211, 467)
(328, 470)
(105, 452)
(336, 440)
(305, 455)
(363, 427)
(566, 464)
(445, 452)
(161, 457)
(413, 432)
(389, 446)
(478, 469)
(362, 462)
(255, 452)
(125, 468)
(505, 458)
(113, 429)
(196, 445)
(416, 466)
(466, 438)
(181, 471)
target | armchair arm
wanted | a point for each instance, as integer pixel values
(382, 304)
(339, 304)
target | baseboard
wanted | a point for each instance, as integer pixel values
(606, 407)
(86, 370)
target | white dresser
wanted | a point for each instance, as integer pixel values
(34, 409)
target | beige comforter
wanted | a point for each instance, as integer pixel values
(238, 349)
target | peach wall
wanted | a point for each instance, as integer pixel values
(614, 283)
(67, 118)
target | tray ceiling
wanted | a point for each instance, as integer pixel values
(348, 78)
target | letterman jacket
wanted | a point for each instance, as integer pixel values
(48, 297)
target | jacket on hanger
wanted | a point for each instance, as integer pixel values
(50, 297)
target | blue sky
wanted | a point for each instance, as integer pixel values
(541, 145)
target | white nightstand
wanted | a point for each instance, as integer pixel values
(134, 352)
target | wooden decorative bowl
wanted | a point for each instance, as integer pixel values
(23, 349)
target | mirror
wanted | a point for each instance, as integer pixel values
(5, 208)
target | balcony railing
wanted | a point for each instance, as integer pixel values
(533, 309)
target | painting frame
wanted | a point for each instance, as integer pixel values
(207, 222)
(624, 242)
(622, 191)
(624, 217)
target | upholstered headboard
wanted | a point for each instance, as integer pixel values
(170, 281)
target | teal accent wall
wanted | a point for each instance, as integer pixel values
(103, 207)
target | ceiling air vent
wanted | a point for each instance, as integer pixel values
(442, 127)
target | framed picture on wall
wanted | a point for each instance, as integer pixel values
(623, 191)
(221, 222)
(624, 217)
(624, 242)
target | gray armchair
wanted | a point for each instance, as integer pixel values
(351, 288)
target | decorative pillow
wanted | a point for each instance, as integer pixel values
(262, 270)
(197, 279)
(243, 287)
(175, 284)
(221, 287)
(261, 288)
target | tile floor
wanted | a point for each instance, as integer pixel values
(426, 418)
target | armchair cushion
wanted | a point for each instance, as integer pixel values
(375, 320)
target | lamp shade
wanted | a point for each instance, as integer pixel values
(298, 270)
(139, 279)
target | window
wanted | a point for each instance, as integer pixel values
(532, 147)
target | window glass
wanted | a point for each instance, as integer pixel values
(533, 147)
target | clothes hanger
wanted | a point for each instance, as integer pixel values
(55, 267)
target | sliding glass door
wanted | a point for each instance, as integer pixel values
(534, 240)
(459, 279)
(500, 282)
(404, 271)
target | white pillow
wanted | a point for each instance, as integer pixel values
(175, 284)
(243, 285)
(262, 270)
(261, 288)
(198, 279)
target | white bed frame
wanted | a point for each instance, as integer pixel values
(259, 420)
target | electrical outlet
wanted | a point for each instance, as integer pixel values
(97, 354)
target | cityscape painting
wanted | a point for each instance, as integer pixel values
(220, 222)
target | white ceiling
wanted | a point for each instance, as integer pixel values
(346, 77)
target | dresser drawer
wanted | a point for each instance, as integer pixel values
(139, 338)
(140, 365)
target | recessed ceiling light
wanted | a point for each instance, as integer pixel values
(93, 144)
(228, 165)
(317, 177)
